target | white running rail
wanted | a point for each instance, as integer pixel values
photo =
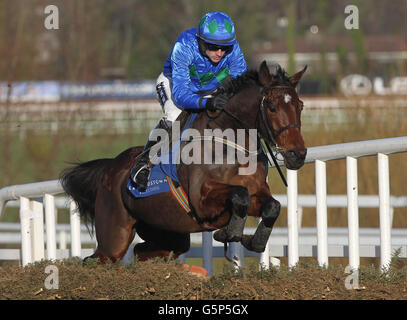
(32, 210)
(349, 151)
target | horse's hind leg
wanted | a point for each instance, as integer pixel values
(114, 227)
(115, 249)
(160, 243)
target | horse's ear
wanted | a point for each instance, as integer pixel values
(294, 79)
(264, 74)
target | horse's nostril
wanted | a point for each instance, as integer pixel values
(291, 153)
(295, 154)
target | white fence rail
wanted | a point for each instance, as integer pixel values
(32, 211)
(350, 151)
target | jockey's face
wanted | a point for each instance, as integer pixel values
(216, 52)
(215, 56)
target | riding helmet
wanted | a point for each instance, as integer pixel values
(217, 28)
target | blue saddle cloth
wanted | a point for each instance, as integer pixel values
(157, 183)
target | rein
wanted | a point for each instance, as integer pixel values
(226, 142)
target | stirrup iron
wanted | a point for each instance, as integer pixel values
(143, 167)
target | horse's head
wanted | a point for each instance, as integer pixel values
(281, 114)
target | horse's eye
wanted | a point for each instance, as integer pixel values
(271, 107)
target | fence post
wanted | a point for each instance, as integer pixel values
(292, 218)
(236, 250)
(391, 216)
(264, 260)
(50, 220)
(207, 248)
(384, 210)
(129, 255)
(38, 252)
(25, 221)
(321, 208)
(75, 231)
(353, 211)
(300, 213)
(62, 240)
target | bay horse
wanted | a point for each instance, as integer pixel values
(221, 198)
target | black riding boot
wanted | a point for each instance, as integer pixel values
(142, 169)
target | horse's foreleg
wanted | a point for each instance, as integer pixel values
(238, 202)
(270, 210)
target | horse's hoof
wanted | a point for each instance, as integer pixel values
(247, 243)
(222, 236)
(91, 261)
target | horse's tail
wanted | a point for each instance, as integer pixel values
(81, 183)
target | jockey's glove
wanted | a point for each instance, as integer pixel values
(218, 102)
(226, 84)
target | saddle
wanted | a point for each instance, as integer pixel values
(164, 176)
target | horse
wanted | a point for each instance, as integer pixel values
(220, 198)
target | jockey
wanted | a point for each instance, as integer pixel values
(201, 59)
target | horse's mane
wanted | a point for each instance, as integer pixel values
(245, 80)
(251, 78)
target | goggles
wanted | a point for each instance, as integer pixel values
(215, 47)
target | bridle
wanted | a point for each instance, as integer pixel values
(271, 133)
